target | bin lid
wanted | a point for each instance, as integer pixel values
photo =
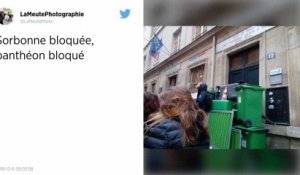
(222, 101)
(251, 129)
(252, 87)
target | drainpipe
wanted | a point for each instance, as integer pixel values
(213, 61)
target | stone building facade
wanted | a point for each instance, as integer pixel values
(268, 56)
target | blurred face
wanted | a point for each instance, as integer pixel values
(6, 17)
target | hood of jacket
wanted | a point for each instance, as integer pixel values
(202, 87)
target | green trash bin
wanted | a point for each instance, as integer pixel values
(249, 104)
(236, 139)
(221, 105)
(253, 137)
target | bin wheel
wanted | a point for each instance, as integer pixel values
(247, 123)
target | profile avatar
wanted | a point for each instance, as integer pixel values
(6, 16)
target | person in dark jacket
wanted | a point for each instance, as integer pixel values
(178, 124)
(203, 98)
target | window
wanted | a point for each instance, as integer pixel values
(149, 61)
(176, 41)
(236, 62)
(145, 88)
(145, 58)
(252, 57)
(153, 87)
(197, 75)
(160, 90)
(199, 30)
(154, 30)
(244, 66)
(172, 80)
(203, 29)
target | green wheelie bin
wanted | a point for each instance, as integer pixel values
(253, 137)
(222, 105)
(249, 104)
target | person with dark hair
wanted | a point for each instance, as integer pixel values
(178, 124)
(151, 104)
(2, 17)
(203, 99)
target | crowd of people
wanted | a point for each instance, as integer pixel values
(174, 120)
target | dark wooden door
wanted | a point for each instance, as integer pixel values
(244, 66)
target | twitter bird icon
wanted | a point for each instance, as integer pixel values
(124, 14)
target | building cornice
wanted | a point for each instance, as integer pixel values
(182, 51)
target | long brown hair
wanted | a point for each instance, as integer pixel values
(178, 103)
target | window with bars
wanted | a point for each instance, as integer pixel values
(197, 75)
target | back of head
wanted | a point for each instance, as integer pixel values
(203, 87)
(151, 104)
(176, 102)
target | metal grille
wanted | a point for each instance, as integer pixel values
(219, 126)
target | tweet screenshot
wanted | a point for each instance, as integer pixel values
(71, 75)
